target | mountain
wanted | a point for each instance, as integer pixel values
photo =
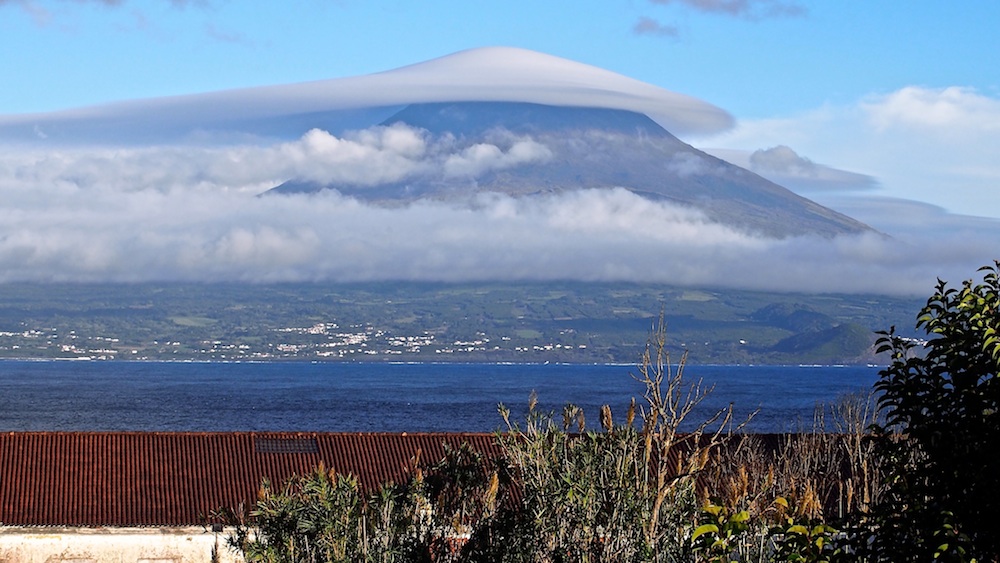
(503, 120)
(590, 148)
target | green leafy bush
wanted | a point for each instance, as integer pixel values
(325, 517)
(942, 405)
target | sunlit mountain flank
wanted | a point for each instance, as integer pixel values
(521, 149)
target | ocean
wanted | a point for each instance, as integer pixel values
(381, 397)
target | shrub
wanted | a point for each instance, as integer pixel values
(325, 516)
(942, 406)
(625, 494)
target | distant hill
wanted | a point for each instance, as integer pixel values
(595, 148)
(570, 322)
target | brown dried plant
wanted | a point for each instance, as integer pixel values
(627, 493)
(828, 471)
(670, 456)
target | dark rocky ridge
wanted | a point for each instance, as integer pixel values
(598, 148)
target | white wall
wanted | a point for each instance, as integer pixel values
(112, 545)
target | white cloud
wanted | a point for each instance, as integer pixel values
(910, 220)
(946, 111)
(931, 145)
(782, 159)
(483, 157)
(368, 157)
(479, 75)
(373, 156)
(183, 214)
(192, 213)
(686, 164)
(783, 166)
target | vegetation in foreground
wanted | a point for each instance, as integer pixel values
(916, 483)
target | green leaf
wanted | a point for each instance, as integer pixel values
(704, 529)
(821, 529)
(741, 516)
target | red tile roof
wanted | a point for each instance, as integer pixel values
(175, 479)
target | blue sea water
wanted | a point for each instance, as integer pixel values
(343, 397)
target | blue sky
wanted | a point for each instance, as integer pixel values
(886, 110)
(773, 58)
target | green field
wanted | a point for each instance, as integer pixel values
(519, 322)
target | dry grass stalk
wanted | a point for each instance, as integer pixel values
(822, 473)
(669, 402)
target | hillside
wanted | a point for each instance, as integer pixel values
(486, 322)
(591, 148)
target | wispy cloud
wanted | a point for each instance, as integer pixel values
(936, 145)
(783, 166)
(111, 3)
(43, 12)
(226, 36)
(749, 9)
(650, 26)
(40, 15)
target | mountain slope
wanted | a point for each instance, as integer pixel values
(594, 148)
